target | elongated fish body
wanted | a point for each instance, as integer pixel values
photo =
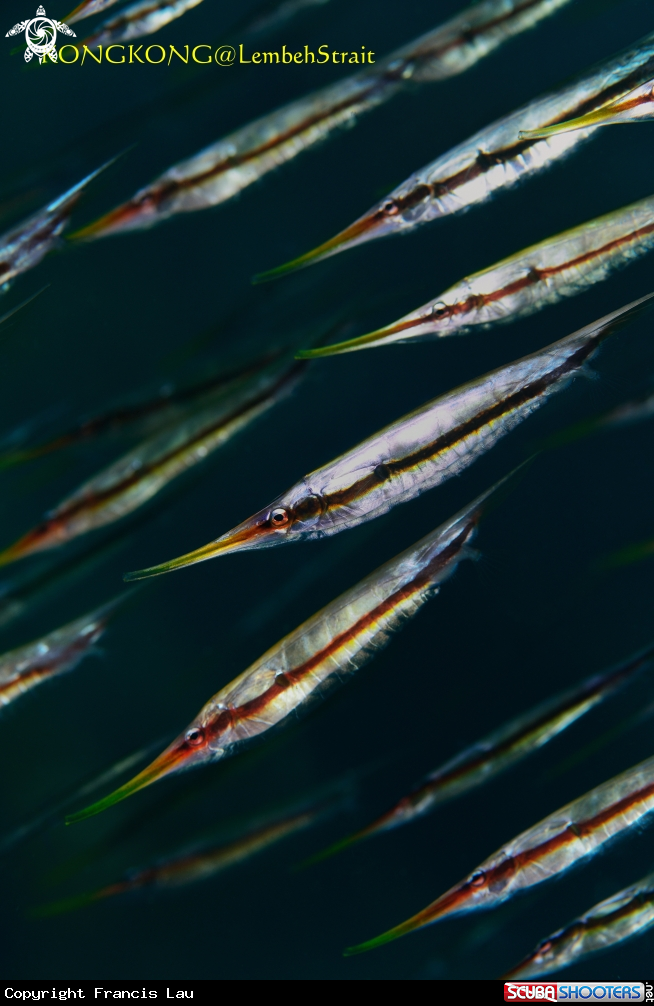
(189, 869)
(559, 267)
(202, 864)
(137, 476)
(225, 168)
(560, 841)
(626, 914)
(334, 642)
(502, 748)
(138, 20)
(414, 454)
(25, 245)
(88, 8)
(495, 158)
(148, 415)
(60, 651)
(637, 105)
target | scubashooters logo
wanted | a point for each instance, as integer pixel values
(41, 35)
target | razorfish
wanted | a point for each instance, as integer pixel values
(87, 9)
(332, 643)
(628, 913)
(637, 105)
(560, 841)
(188, 868)
(144, 471)
(23, 247)
(151, 413)
(508, 151)
(543, 274)
(226, 167)
(416, 453)
(60, 651)
(137, 20)
(499, 750)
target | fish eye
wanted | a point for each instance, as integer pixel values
(438, 310)
(478, 878)
(194, 736)
(390, 208)
(279, 517)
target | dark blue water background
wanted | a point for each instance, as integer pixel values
(129, 314)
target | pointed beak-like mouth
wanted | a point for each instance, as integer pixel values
(129, 216)
(251, 533)
(364, 229)
(448, 904)
(171, 760)
(391, 333)
(596, 118)
(39, 539)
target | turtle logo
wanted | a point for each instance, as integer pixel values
(41, 35)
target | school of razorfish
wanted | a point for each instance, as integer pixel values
(174, 430)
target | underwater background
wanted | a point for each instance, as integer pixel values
(534, 616)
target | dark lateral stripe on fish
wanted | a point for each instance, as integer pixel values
(35, 673)
(130, 413)
(42, 234)
(535, 275)
(454, 436)
(290, 678)
(162, 192)
(157, 193)
(140, 473)
(489, 159)
(591, 689)
(500, 874)
(603, 921)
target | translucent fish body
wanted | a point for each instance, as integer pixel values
(148, 415)
(495, 158)
(24, 246)
(636, 105)
(227, 167)
(88, 9)
(559, 267)
(138, 20)
(200, 865)
(414, 454)
(60, 651)
(503, 748)
(144, 471)
(334, 642)
(205, 864)
(626, 914)
(560, 841)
